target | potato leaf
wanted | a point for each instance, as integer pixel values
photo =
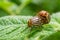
(16, 28)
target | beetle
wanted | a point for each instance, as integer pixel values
(41, 18)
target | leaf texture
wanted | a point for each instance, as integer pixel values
(16, 28)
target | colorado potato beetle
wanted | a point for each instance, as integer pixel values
(41, 18)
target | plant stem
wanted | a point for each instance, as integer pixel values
(20, 7)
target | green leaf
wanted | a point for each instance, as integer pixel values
(16, 28)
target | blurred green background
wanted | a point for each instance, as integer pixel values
(28, 7)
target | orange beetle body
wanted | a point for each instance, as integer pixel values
(45, 17)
